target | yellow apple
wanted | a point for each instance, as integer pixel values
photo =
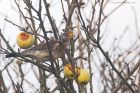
(69, 72)
(25, 40)
(84, 76)
(70, 34)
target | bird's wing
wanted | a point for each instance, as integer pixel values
(42, 47)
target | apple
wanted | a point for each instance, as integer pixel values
(25, 40)
(69, 71)
(70, 34)
(84, 76)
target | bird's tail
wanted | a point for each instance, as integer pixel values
(11, 55)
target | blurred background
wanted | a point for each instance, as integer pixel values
(120, 39)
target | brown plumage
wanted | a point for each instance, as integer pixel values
(41, 51)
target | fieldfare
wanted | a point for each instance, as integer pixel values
(41, 51)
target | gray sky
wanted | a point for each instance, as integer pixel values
(123, 18)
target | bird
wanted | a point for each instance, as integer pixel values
(41, 51)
